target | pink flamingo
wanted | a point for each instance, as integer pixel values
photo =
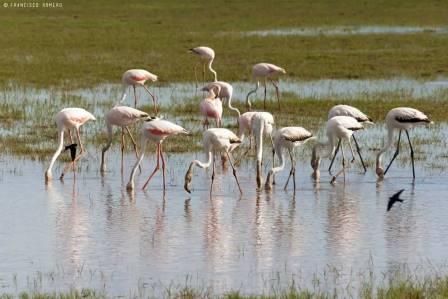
(66, 119)
(226, 92)
(138, 77)
(121, 116)
(263, 72)
(215, 139)
(206, 56)
(157, 130)
(211, 106)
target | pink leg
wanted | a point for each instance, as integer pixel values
(135, 97)
(163, 166)
(153, 98)
(157, 167)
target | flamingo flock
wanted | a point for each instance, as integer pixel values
(343, 123)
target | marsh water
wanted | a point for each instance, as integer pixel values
(88, 231)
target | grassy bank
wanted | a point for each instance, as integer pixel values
(395, 288)
(89, 42)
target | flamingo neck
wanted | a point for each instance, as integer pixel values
(130, 185)
(57, 153)
(204, 164)
(390, 139)
(248, 104)
(212, 70)
(229, 104)
(281, 157)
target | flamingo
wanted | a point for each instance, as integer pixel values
(66, 119)
(121, 116)
(245, 125)
(341, 127)
(402, 118)
(225, 92)
(215, 139)
(206, 56)
(261, 124)
(211, 106)
(136, 77)
(157, 130)
(263, 72)
(287, 138)
(346, 110)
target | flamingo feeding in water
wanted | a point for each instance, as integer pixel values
(211, 106)
(157, 130)
(225, 92)
(137, 77)
(66, 119)
(402, 118)
(346, 110)
(262, 124)
(206, 56)
(121, 116)
(287, 138)
(263, 72)
(342, 128)
(215, 139)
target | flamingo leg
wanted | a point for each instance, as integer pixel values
(70, 135)
(234, 172)
(154, 100)
(72, 163)
(135, 97)
(203, 74)
(273, 159)
(196, 74)
(264, 101)
(134, 144)
(155, 169)
(412, 154)
(359, 153)
(396, 153)
(351, 150)
(291, 172)
(277, 92)
(122, 148)
(343, 166)
(334, 156)
(163, 165)
(213, 173)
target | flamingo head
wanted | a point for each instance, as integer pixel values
(188, 177)
(269, 179)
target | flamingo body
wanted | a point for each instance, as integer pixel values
(261, 124)
(211, 107)
(346, 110)
(206, 55)
(137, 77)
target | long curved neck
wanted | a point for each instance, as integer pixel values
(139, 160)
(58, 151)
(109, 138)
(229, 104)
(204, 164)
(390, 140)
(212, 70)
(259, 136)
(248, 104)
(281, 157)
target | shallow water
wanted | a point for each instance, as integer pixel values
(348, 30)
(90, 232)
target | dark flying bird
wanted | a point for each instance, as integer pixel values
(72, 148)
(394, 199)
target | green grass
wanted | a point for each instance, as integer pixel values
(90, 42)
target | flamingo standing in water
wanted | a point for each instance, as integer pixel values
(225, 92)
(215, 139)
(157, 130)
(287, 138)
(402, 118)
(66, 119)
(211, 106)
(206, 56)
(137, 77)
(262, 124)
(346, 110)
(121, 116)
(263, 72)
(342, 128)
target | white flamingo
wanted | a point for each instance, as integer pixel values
(402, 118)
(225, 92)
(211, 106)
(138, 77)
(287, 138)
(261, 124)
(206, 56)
(346, 110)
(215, 139)
(121, 116)
(156, 130)
(66, 119)
(338, 127)
(263, 72)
